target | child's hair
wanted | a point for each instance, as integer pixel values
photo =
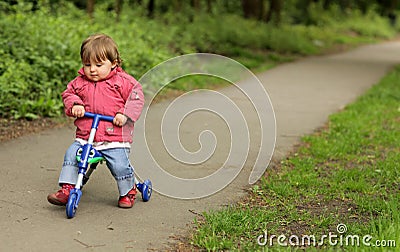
(99, 47)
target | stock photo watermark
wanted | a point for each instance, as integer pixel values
(341, 238)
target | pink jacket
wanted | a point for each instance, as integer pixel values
(118, 93)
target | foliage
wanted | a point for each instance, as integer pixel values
(346, 173)
(35, 62)
(39, 50)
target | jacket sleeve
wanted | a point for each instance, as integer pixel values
(70, 98)
(133, 95)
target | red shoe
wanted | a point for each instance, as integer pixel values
(128, 200)
(60, 198)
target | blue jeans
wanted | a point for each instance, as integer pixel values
(117, 162)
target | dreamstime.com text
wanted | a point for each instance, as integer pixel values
(332, 239)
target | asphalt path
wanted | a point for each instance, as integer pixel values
(303, 94)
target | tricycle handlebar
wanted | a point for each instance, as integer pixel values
(99, 116)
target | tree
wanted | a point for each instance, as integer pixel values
(90, 8)
(195, 4)
(253, 9)
(118, 8)
(209, 6)
(274, 11)
(150, 9)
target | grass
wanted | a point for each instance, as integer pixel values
(345, 173)
(36, 64)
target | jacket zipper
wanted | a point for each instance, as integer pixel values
(94, 98)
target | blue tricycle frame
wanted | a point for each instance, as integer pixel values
(87, 156)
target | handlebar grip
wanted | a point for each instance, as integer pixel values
(88, 114)
(100, 116)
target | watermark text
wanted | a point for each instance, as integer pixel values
(339, 238)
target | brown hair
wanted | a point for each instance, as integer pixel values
(99, 47)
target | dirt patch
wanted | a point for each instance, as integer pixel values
(12, 128)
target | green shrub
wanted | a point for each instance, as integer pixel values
(39, 51)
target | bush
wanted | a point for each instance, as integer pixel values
(39, 50)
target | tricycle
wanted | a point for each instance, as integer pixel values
(88, 158)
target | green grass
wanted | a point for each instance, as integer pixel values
(36, 64)
(348, 172)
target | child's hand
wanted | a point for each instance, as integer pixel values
(120, 120)
(78, 110)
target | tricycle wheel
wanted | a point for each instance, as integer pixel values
(147, 189)
(72, 205)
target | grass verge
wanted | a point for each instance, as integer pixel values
(345, 175)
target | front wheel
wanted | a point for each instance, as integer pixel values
(147, 189)
(72, 205)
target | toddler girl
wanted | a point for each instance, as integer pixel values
(102, 87)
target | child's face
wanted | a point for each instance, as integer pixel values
(97, 71)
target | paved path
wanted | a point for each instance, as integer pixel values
(303, 94)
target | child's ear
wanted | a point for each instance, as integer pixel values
(115, 63)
